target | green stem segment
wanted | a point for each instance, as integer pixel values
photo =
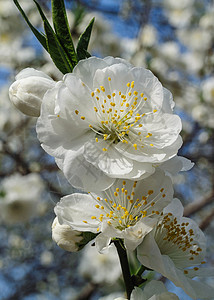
(125, 267)
(140, 271)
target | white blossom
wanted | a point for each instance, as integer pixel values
(208, 90)
(206, 21)
(9, 116)
(175, 248)
(13, 52)
(46, 258)
(19, 197)
(193, 61)
(170, 50)
(179, 13)
(154, 290)
(148, 36)
(100, 268)
(182, 4)
(127, 210)
(110, 120)
(180, 18)
(191, 38)
(27, 91)
(111, 296)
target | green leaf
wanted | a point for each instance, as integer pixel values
(62, 29)
(41, 38)
(56, 51)
(44, 19)
(84, 41)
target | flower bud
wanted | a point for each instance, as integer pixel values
(27, 91)
(69, 239)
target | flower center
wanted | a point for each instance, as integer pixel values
(123, 209)
(119, 116)
(176, 240)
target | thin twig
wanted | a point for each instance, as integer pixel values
(196, 206)
(206, 221)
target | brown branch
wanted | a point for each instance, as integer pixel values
(206, 221)
(87, 292)
(196, 206)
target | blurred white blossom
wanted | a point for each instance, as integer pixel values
(20, 196)
(148, 36)
(100, 268)
(207, 87)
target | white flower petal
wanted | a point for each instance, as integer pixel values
(168, 103)
(154, 290)
(110, 161)
(150, 85)
(118, 73)
(70, 211)
(69, 94)
(134, 235)
(201, 272)
(86, 69)
(102, 242)
(82, 174)
(116, 60)
(28, 72)
(140, 171)
(176, 164)
(175, 207)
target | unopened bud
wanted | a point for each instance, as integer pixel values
(69, 239)
(28, 90)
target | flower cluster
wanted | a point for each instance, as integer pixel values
(111, 129)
